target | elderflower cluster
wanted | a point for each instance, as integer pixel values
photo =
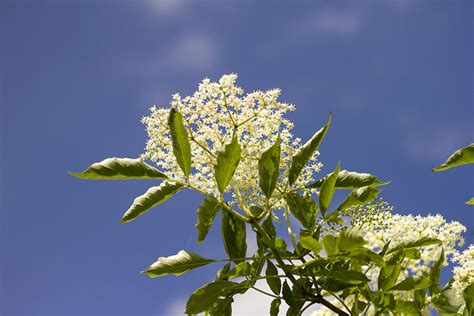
(464, 271)
(384, 227)
(211, 116)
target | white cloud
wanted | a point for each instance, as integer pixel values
(166, 7)
(331, 22)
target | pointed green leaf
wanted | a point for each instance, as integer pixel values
(120, 169)
(303, 208)
(359, 196)
(227, 161)
(460, 157)
(403, 307)
(268, 169)
(272, 279)
(207, 211)
(367, 256)
(310, 243)
(330, 244)
(233, 235)
(470, 202)
(350, 239)
(275, 307)
(423, 241)
(288, 295)
(349, 180)
(177, 264)
(350, 276)
(412, 253)
(203, 298)
(389, 274)
(179, 137)
(241, 269)
(410, 283)
(302, 157)
(151, 198)
(327, 190)
(435, 272)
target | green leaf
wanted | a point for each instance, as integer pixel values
(227, 161)
(423, 241)
(272, 278)
(460, 157)
(120, 169)
(207, 211)
(222, 307)
(412, 253)
(179, 137)
(410, 283)
(303, 208)
(203, 298)
(302, 157)
(350, 239)
(310, 243)
(349, 180)
(350, 276)
(327, 190)
(470, 202)
(280, 244)
(388, 275)
(233, 235)
(151, 198)
(268, 168)
(368, 256)
(288, 295)
(177, 264)
(468, 295)
(359, 196)
(275, 307)
(222, 273)
(330, 244)
(406, 307)
(435, 272)
(241, 269)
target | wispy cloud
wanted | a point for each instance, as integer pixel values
(425, 140)
(331, 22)
(166, 7)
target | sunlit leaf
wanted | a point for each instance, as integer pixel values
(330, 244)
(470, 201)
(350, 276)
(302, 157)
(350, 239)
(435, 272)
(460, 157)
(310, 243)
(359, 196)
(241, 269)
(227, 161)
(349, 180)
(423, 241)
(151, 198)
(327, 190)
(411, 283)
(120, 169)
(207, 211)
(468, 295)
(179, 137)
(268, 168)
(177, 264)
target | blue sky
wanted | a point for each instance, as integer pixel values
(77, 76)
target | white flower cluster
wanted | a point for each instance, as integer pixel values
(385, 226)
(464, 271)
(212, 115)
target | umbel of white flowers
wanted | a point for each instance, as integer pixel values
(212, 116)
